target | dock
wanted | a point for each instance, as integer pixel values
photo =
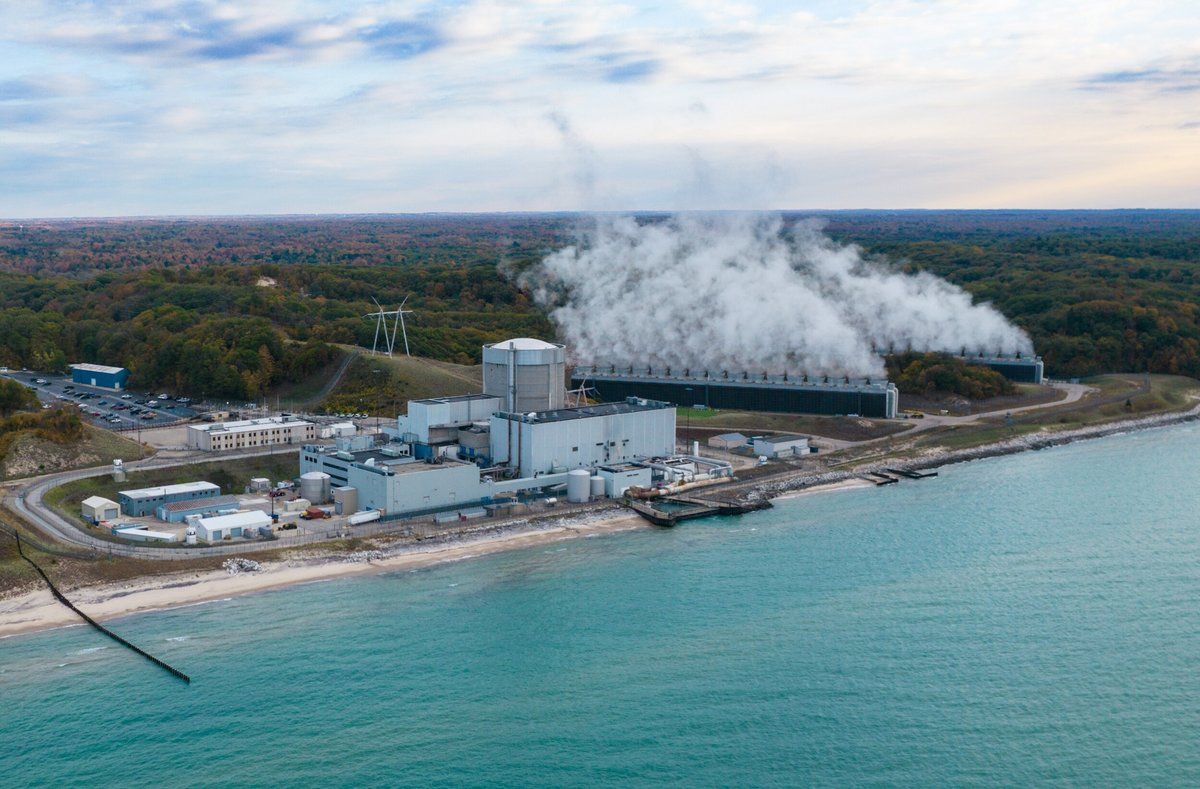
(690, 507)
(912, 474)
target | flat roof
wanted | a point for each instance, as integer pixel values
(97, 368)
(206, 503)
(454, 399)
(739, 378)
(399, 464)
(233, 520)
(158, 535)
(783, 438)
(631, 406)
(250, 425)
(168, 490)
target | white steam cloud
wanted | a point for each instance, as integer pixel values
(741, 292)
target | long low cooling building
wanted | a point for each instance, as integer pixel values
(1020, 369)
(742, 391)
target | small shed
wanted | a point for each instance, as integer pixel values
(781, 446)
(97, 508)
(728, 441)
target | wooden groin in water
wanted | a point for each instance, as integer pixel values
(62, 599)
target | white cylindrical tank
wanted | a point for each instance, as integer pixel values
(189, 536)
(579, 485)
(314, 486)
(526, 374)
(597, 487)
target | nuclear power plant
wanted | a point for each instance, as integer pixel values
(464, 455)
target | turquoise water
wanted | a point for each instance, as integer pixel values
(1022, 620)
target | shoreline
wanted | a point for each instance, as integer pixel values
(38, 611)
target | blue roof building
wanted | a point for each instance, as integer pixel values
(99, 375)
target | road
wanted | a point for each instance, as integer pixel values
(1075, 392)
(27, 501)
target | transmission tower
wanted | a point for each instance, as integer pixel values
(389, 332)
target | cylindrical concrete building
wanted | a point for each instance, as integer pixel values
(526, 374)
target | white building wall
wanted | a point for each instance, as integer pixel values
(584, 443)
(425, 487)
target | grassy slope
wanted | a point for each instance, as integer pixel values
(98, 447)
(400, 379)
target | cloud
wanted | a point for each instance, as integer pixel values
(1169, 79)
(636, 71)
(402, 40)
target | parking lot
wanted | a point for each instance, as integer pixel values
(106, 408)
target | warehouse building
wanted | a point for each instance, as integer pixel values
(743, 391)
(144, 501)
(780, 446)
(250, 433)
(238, 524)
(99, 375)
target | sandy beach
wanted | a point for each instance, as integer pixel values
(39, 610)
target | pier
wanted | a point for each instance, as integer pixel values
(682, 508)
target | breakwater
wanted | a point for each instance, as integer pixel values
(122, 641)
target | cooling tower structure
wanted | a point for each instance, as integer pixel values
(791, 394)
(526, 374)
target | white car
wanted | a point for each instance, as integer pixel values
(126, 396)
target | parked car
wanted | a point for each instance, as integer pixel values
(147, 415)
(184, 400)
(126, 396)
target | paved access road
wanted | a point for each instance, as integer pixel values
(26, 499)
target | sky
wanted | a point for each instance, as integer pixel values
(159, 107)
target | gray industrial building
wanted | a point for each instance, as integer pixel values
(1017, 368)
(144, 501)
(795, 394)
(568, 438)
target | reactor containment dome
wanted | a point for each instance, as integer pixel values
(526, 374)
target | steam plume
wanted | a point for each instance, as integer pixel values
(739, 292)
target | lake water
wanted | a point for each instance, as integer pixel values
(1023, 620)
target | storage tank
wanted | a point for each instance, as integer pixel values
(597, 487)
(526, 374)
(314, 486)
(189, 536)
(579, 485)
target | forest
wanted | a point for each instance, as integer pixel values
(233, 307)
